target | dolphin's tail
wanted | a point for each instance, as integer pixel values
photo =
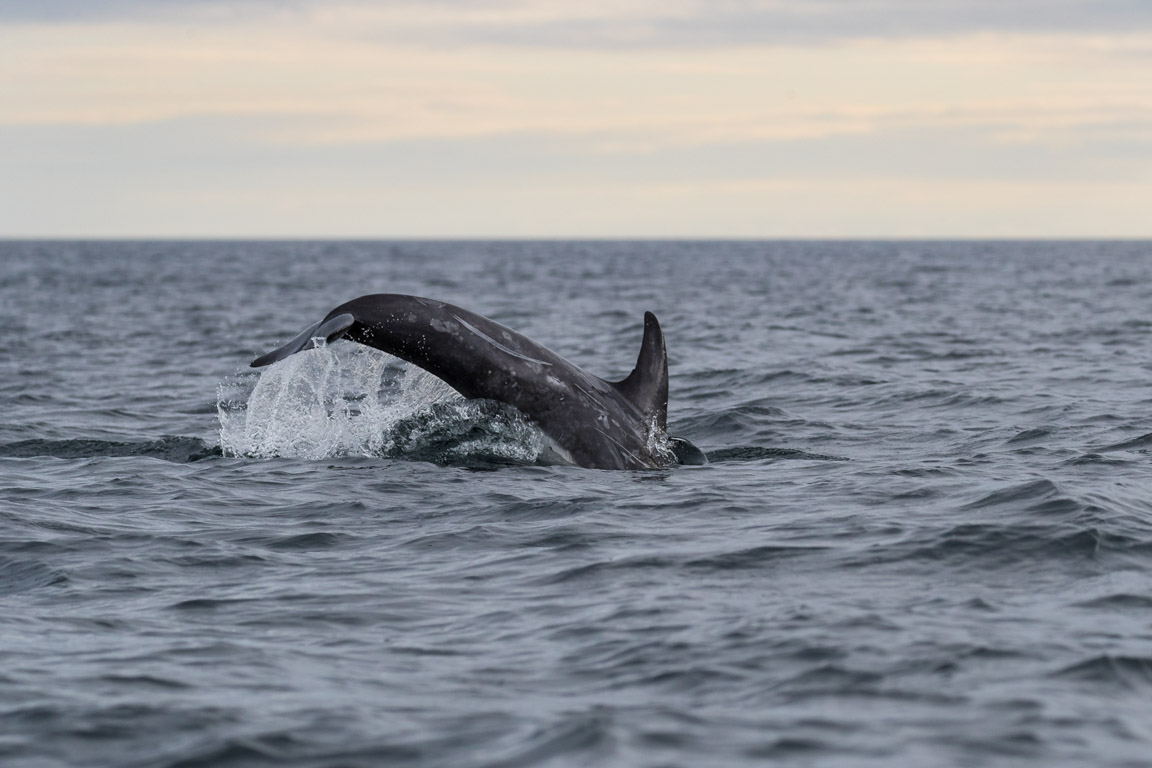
(329, 330)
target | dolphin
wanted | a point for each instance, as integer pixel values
(590, 422)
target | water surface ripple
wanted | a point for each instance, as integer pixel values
(924, 538)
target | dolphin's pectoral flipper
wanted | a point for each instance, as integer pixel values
(686, 453)
(329, 330)
(647, 386)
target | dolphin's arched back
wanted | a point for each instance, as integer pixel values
(591, 422)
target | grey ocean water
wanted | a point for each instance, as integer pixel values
(924, 538)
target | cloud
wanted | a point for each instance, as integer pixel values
(159, 11)
(302, 88)
(599, 118)
(626, 23)
(204, 176)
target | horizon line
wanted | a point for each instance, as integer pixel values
(572, 238)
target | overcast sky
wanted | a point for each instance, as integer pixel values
(621, 118)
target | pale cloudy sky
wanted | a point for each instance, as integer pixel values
(621, 118)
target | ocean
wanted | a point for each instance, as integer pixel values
(923, 537)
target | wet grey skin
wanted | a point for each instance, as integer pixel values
(590, 422)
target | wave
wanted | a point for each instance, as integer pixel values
(1025, 523)
(1121, 600)
(1120, 671)
(1039, 491)
(23, 575)
(1135, 444)
(169, 448)
(757, 453)
(974, 544)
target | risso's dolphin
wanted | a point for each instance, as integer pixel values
(589, 421)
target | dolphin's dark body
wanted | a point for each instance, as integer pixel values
(591, 422)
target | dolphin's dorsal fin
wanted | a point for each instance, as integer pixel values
(647, 386)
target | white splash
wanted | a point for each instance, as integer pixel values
(350, 400)
(658, 444)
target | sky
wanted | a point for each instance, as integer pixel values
(597, 119)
